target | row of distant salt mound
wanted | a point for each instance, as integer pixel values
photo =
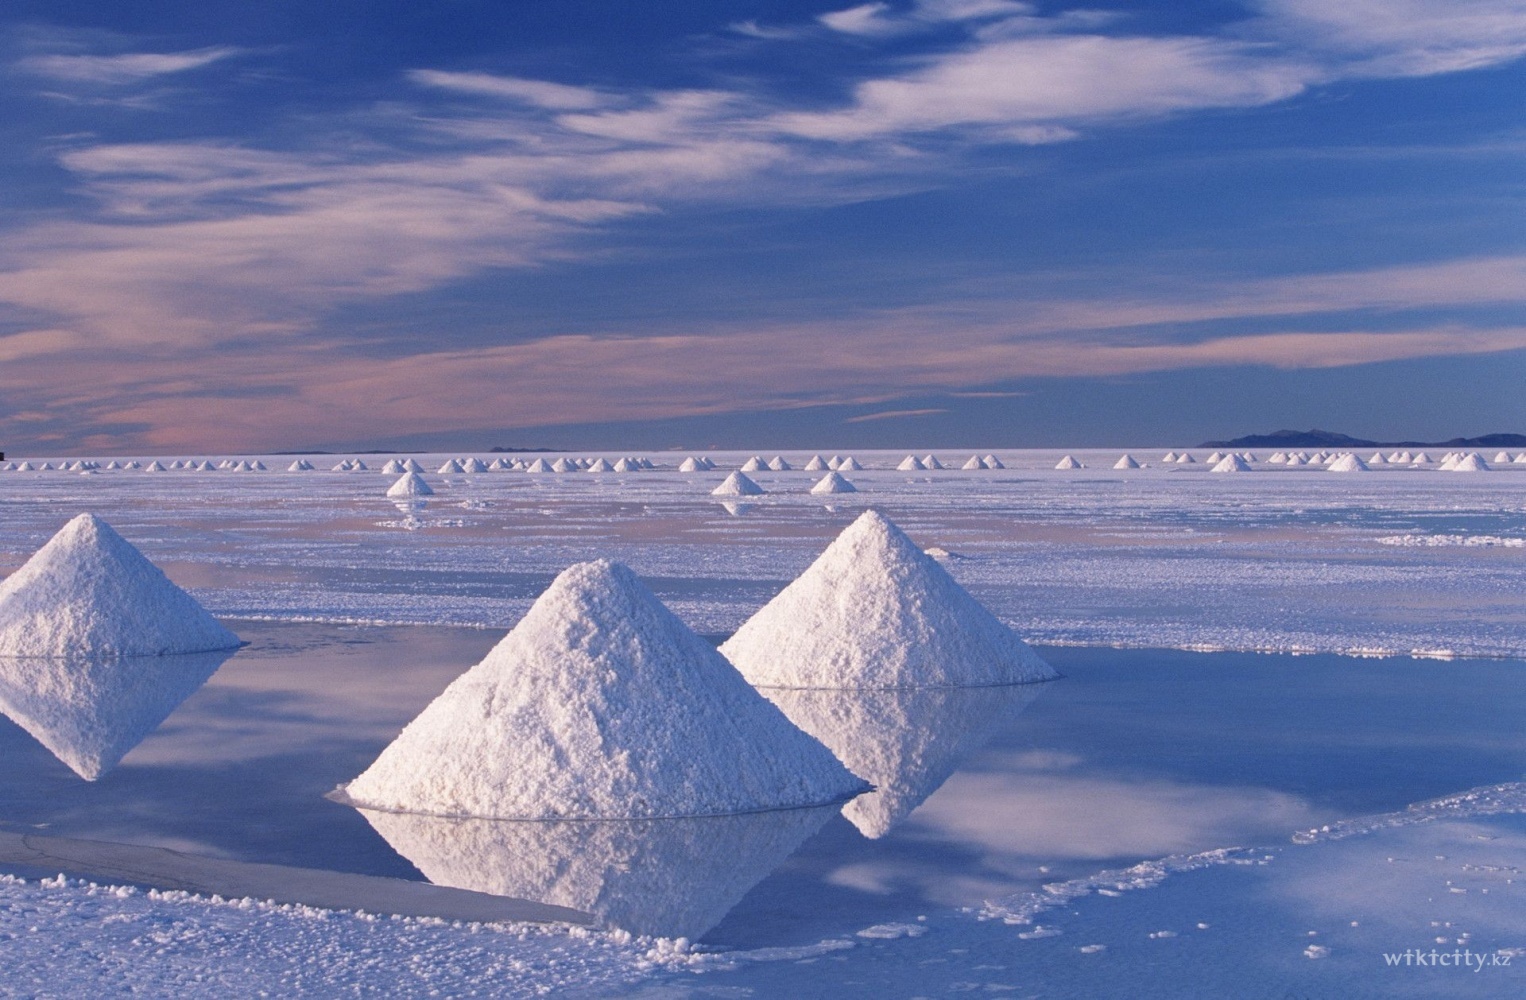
(1332, 462)
(600, 703)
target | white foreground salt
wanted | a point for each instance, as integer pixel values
(410, 485)
(737, 485)
(875, 611)
(833, 482)
(600, 704)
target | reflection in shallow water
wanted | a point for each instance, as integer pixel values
(737, 509)
(90, 713)
(904, 741)
(667, 877)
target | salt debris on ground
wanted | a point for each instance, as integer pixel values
(1231, 463)
(89, 593)
(875, 611)
(411, 485)
(737, 485)
(1347, 463)
(1126, 462)
(602, 704)
(1068, 462)
(833, 482)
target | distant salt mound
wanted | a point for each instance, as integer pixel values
(778, 464)
(450, 468)
(1377, 459)
(689, 464)
(91, 713)
(627, 465)
(1185, 459)
(905, 742)
(1471, 462)
(1278, 458)
(1169, 456)
(911, 463)
(1421, 458)
(1215, 458)
(89, 593)
(153, 466)
(849, 464)
(834, 461)
(992, 462)
(973, 463)
(875, 611)
(754, 464)
(600, 704)
(833, 482)
(1347, 463)
(209, 467)
(599, 465)
(1068, 462)
(1231, 463)
(1126, 462)
(1520, 458)
(410, 485)
(564, 465)
(816, 464)
(392, 468)
(474, 465)
(931, 462)
(737, 485)
(409, 465)
(541, 465)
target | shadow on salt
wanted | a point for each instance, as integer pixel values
(92, 713)
(662, 877)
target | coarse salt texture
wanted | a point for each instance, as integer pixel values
(601, 704)
(410, 485)
(875, 611)
(89, 593)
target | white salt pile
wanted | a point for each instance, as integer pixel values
(816, 464)
(910, 463)
(1347, 463)
(1377, 459)
(600, 704)
(1068, 462)
(687, 465)
(627, 465)
(1231, 463)
(89, 593)
(1126, 462)
(1501, 457)
(91, 713)
(875, 611)
(1448, 462)
(737, 485)
(1471, 462)
(992, 462)
(295, 466)
(1215, 458)
(474, 465)
(754, 464)
(778, 464)
(1421, 458)
(209, 467)
(411, 466)
(1520, 458)
(541, 465)
(834, 461)
(849, 464)
(563, 465)
(1185, 459)
(358, 466)
(1169, 456)
(833, 482)
(973, 463)
(392, 468)
(1278, 458)
(259, 466)
(600, 465)
(153, 466)
(410, 485)
(451, 468)
(931, 462)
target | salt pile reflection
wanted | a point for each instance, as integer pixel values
(665, 877)
(904, 741)
(91, 713)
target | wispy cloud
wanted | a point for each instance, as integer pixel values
(124, 68)
(540, 93)
(893, 415)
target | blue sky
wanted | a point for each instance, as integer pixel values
(930, 222)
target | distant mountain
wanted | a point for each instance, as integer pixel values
(1330, 439)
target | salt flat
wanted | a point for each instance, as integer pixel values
(1057, 846)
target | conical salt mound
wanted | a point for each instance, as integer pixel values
(1068, 462)
(600, 704)
(1126, 462)
(1347, 463)
(911, 463)
(833, 482)
(411, 485)
(89, 593)
(1231, 463)
(1471, 462)
(737, 485)
(875, 611)
(849, 464)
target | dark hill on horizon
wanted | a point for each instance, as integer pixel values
(1322, 439)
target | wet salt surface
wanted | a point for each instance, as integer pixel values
(1279, 559)
(1134, 755)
